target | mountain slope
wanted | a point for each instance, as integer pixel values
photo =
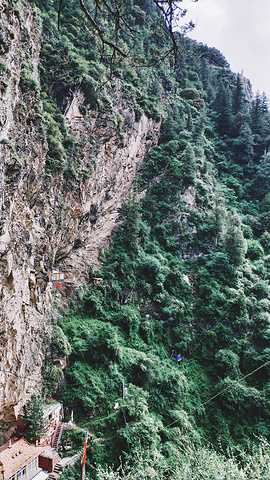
(64, 174)
(187, 266)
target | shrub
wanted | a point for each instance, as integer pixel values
(254, 250)
(59, 342)
(27, 82)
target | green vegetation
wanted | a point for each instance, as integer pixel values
(74, 58)
(33, 419)
(187, 268)
(3, 75)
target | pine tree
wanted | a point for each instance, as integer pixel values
(235, 245)
(219, 214)
(132, 212)
(259, 125)
(245, 144)
(223, 108)
(33, 419)
(238, 102)
(256, 114)
(262, 180)
(206, 76)
(173, 125)
(189, 165)
(189, 126)
(264, 103)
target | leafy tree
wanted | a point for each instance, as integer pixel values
(199, 463)
(265, 242)
(255, 251)
(228, 362)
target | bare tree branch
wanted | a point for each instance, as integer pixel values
(170, 12)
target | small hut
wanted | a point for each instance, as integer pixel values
(57, 279)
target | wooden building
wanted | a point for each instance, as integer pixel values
(57, 279)
(19, 460)
(52, 416)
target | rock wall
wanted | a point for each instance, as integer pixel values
(44, 223)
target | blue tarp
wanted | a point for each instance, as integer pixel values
(177, 357)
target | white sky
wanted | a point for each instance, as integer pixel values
(240, 29)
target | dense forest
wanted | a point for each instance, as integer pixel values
(187, 268)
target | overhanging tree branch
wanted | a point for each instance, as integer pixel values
(104, 40)
(170, 12)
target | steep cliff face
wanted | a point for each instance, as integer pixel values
(22, 158)
(45, 223)
(94, 208)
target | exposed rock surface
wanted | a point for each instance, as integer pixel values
(45, 224)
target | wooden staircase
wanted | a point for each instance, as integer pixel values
(57, 436)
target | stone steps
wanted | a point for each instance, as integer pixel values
(56, 472)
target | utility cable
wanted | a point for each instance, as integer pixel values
(222, 391)
(127, 437)
(213, 325)
(198, 343)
